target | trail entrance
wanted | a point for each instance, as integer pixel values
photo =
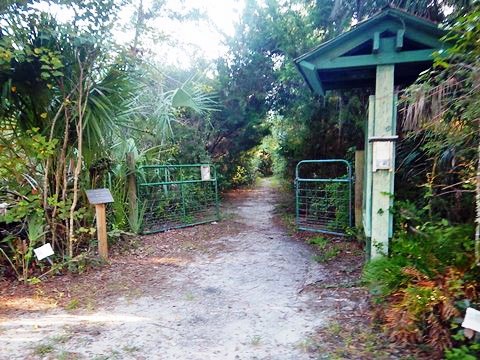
(240, 290)
(323, 192)
(176, 196)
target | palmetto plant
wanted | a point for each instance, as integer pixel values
(85, 98)
(444, 110)
(159, 105)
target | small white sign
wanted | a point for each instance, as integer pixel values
(43, 251)
(472, 320)
(3, 208)
(382, 155)
(205, 170)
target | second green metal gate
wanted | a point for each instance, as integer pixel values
(176, 196)
(323, 191)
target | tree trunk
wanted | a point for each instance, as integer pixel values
(60, 177)
(138, 28)
(78, 165)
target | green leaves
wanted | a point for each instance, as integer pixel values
(161, 109)
(190, 96)
(27, 207)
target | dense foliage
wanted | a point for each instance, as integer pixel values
(74, 103)
(432, 273)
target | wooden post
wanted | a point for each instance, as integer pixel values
(132, 188)
(359, 165)
(382, 180)
(102, 230)
(367, 200)
(100, 198)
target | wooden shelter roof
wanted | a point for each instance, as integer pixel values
(392, 36)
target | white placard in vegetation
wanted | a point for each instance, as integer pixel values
(43, 251)
(205, 170)
(3, 209)
(472, 320)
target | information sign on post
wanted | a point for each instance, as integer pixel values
(205, 172)
(99, 198)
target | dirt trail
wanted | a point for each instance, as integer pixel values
(243, 302)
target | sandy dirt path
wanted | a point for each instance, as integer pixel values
(242, 302)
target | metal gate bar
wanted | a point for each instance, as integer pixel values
(177, 196)
(323, 204)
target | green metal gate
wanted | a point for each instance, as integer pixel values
(176, 196)
(323, 191)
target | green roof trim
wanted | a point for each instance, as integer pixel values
(392, 36)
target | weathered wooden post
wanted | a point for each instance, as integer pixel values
(100, 211)
(367, 186)
(132, 188)
(99, 198)
(359, 167)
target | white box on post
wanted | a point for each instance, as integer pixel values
(382, 152)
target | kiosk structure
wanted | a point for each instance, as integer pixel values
(385, 52)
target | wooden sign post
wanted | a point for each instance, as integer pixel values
(99, 198)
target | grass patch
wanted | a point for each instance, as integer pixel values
(288, 221)
(72, 304)
(309, 345)
(275, 181)
(43, 349)
(318, 241)
(328, 254)
(334, 328)
(131, 349)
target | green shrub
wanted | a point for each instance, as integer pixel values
(461, 353)
(384, 275)
(318, 241)
(430, 270)
(430, 249)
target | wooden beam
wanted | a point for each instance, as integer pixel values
(343, 43)
(399, 39)
(346, 42)
(382, 179)
(367, 200)
(359, 61)
(310, 74)
(376, 42)
(424, 38)
(359, 167)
